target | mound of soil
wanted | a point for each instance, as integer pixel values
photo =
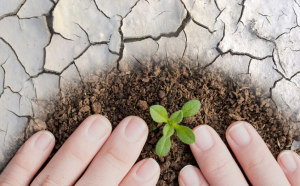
(118, 94)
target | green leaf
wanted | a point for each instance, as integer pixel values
(185, 134)
(159, 114)
(168, 130)
(176, 117)
(163, 146)
(191, 108)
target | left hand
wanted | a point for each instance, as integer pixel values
(105, 158)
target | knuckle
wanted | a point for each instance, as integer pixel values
(218, 167)
(255, 162)
(22, 165)
(6, 182)
(117, 158)
(79, 156)
(48, 181)
(18, 168)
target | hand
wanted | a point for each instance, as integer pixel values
(109, 158)
(219, 168)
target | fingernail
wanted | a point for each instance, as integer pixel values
(43, 141)
(135, 128)
(98, 128)
(288, 162)
(239, 134)
(204, 139)
(147, 170)
(189, 177)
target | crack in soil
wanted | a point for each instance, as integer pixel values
(15, 12)
(203, 26)
(16, 55)
(167, 35)
(242, 11)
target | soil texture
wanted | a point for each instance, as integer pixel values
(120, 94)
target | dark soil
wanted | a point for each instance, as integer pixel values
(117, 95)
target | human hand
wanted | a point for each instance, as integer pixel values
(109, 158)
(219, 168)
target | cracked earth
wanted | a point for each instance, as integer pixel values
(45, 44)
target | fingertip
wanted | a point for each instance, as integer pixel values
(145, 172)
(239, 133)
(184, 169)
(44, 131)
(135, 128)
(237, 123)
(209, 128)
(288, 161)
(47, 133)
(137, 119)
(147, 169)
(190, 176)
(41, 141)
(95, 127)
(282, 153)
(157, 166)
(204, 138)
(102, 118)
(195, 129)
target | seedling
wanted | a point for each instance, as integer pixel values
(160, 115)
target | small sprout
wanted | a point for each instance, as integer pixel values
(160, 115)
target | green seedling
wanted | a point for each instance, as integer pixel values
(160, 115)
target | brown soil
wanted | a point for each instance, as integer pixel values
(117, 95)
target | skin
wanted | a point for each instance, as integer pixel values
(96, 155)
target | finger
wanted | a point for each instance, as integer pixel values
(191, 176)
(28, 159)
(255, 158)
(145, 172)
(76, 153)
(290, 164)
(214, 159)
(119, 153)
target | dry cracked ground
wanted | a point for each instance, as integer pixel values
(44, 44)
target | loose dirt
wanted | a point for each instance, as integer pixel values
(119, 94)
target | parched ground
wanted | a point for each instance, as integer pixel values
(45, 44)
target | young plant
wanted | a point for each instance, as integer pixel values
(160, 115)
